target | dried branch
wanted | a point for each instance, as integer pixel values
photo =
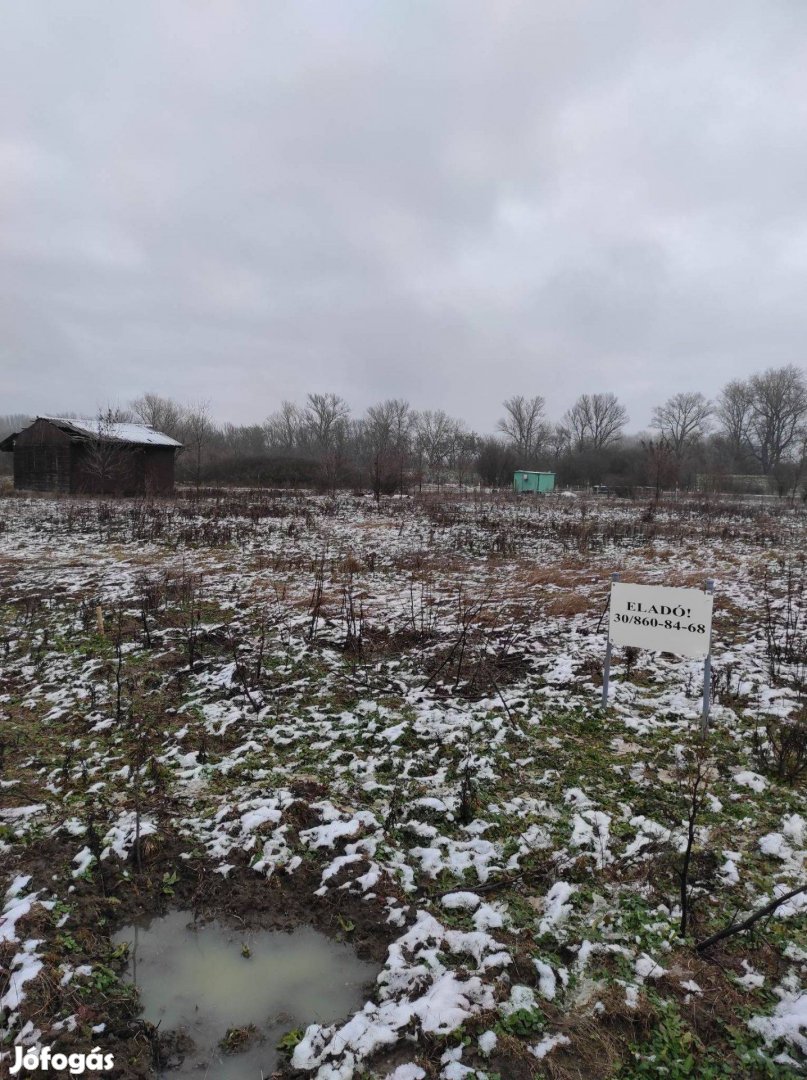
(739, 928)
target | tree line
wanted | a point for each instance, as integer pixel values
(754, 434)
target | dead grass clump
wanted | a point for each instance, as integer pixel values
(412, 562)
(591, 668)
(568, 604)
(346, 567)
(384, 641)
(711, 1012)
(511, 1058)
(728, 616)
(8, 950)
(330, 603)
(488, 616)
(36, 923)
(562, 574)
(599, 1045)
(474, 670)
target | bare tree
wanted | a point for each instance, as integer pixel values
(160, 413)
(496, 462)
(326, 425)
(765, 415)
(560, 441)
(434, 435)
(12, 422)
(9, 425)
(403, 428)
(111, 414)
(325, 415)
(682, 420)
(464, 451)
(105, 459)
(386, 431)
(734, 414)
(789, 475)
(284, 428)
(662, 467)
(243, 440)
(524, 425)
(595, 421)
(197, 429)
(778, 412)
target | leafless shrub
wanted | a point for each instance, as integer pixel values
(695, 772)
(441, 513)
(393, 815)
(785, 622)
(631, 655)
(315, 604)
(249, 663)
(780, 747)
(727, 684)
(423, 611)
(467, 794)
(187, 593)
(352, 615)
(466, 612)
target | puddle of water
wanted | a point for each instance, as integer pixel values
(195, 979)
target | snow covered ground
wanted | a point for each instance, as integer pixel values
(399, 705)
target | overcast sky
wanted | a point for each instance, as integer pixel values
(446, 201)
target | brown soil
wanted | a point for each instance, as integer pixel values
(110, 900)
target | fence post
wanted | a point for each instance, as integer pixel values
(707, 673)
(606, 671)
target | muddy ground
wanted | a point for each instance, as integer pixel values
(384, 721)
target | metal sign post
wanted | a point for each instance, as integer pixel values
(606, 671)
(707, 673)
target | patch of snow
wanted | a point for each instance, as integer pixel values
(406, 1072)
(547, 1045)
(788, 1021)
(487, 1042)
(556, 906)
(648, 968)
(547, 983)
(752, 980)
(465, 901)
(750, 780)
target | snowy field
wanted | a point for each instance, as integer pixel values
(384, 720)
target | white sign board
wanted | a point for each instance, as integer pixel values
(656, 617)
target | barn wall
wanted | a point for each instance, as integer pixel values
(118, 469)
(108, 469)
(42, 458)
(48, 459)
(159, 470)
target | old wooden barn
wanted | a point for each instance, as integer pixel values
(92, 457)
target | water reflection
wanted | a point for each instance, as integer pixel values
(202, 979)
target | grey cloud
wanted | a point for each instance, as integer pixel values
(450, 202)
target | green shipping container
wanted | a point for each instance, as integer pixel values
(526, 480)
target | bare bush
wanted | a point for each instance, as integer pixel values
(780, 747)
(785, 623)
